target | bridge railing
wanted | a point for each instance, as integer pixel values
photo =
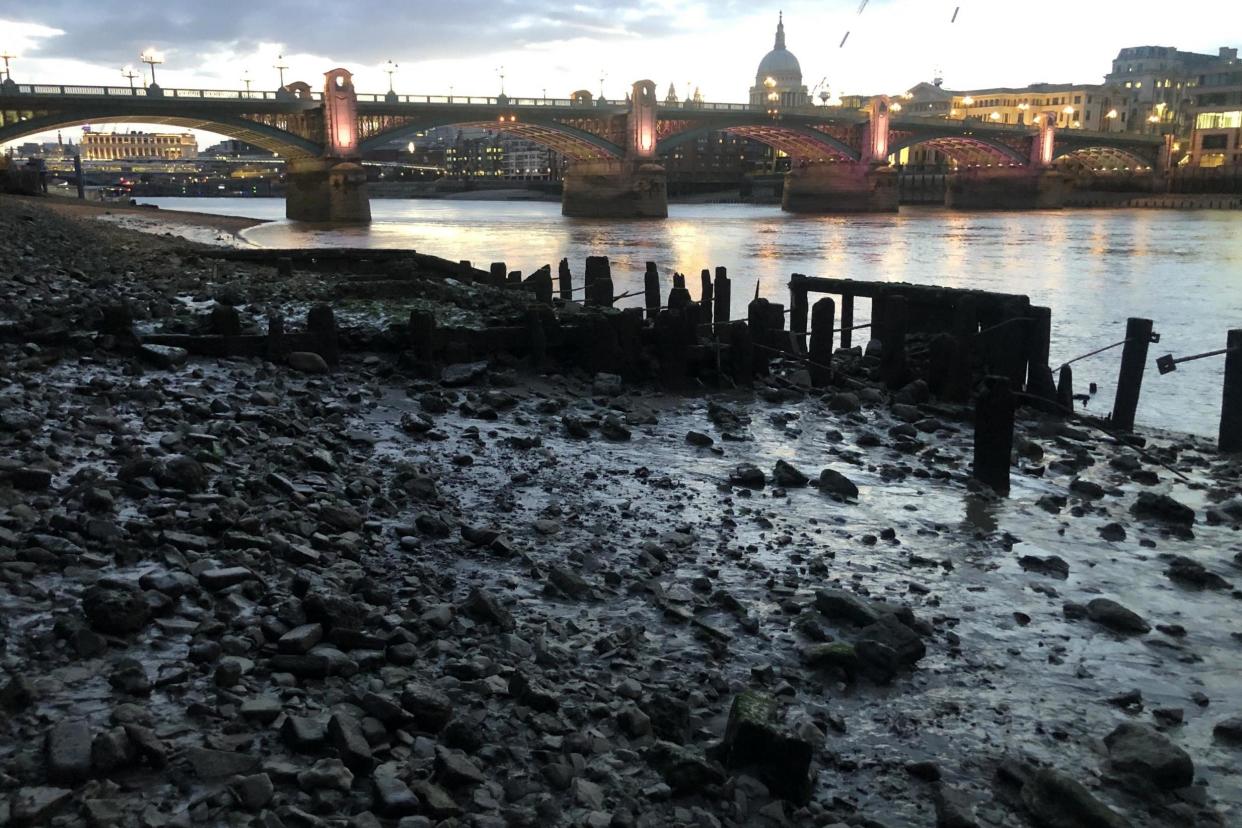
(144, 92)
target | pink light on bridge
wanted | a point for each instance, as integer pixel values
(340, 104)
(642, 126)
(877, 142)
(1042, 151)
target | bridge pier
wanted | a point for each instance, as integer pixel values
(1003, 188)
(615, 188)
(840, 188)
(326, 190)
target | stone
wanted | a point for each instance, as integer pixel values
(36, 805)
(1113, 615)
(304, 734)
(326, 773)
(698, 438)
(1191, 573)
(607, 385)
(568, 581)
(1229, 731)
(253, 792)
(1053, 565)
(484, 606)
(435, 800)
(748, 476)
(69, 751)
(393, 798)
(163, 357)
(307, 362)
(455, 770)
(210, 765)
(787, 476)
(834, 483)
(906, 645)
(214, 580)
(30, 479)
(351, 745)
(1161, 507)
(1142, 750)
(430, 708)
(462, 374)
(148, 746)
(115, 608)
(300, 639)
(685, 770)
(112, 750)
(839, 605)
(752, 739)
(262, 709)
(953, 809)
(1057, 801)
(180, 472)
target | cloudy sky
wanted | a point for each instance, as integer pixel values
(562, 46)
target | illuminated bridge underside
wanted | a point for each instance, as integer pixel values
(964, 150)
(804, 143)
(1100, 158)
(284, 144)
(573, 143)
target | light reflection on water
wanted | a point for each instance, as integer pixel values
(1094, 268)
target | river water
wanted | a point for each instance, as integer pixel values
(1094, 268)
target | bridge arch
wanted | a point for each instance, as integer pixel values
(285, 144)
(570, 141)
(793, 140)
(964, 149)
(1100, 157)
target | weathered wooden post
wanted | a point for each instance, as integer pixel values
(994, 434)
(599, 281)
(1230, 438)
(723, 296)
(275, 338)
(705, 296)
(847, 320)
(321, 324)
(1130, 380)
(536, 338)
(464, 268)
(757, 317)
(1039, 344)
(651, 290)
(741, 353)
(566, 280)
(678, 296)
(498, 272)
(798, 311)
(540, 283)
(225, 320)
(1065, 388)
(965, 328)
(515, 278)
(893, 355)
(422, 330)
(284, 267)
(823, 318)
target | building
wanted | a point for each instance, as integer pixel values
(1216, 108)
(1158, 81)
(1097, 107)
(117, 146)
(778, 82)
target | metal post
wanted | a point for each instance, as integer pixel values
(1230, 439)
(1130, 380)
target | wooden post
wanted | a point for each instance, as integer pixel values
(705, 295)
(757, 317)
(798, 310)
(962, 373)
(1130, 380)
(651, 290)
(823, 319)
(678, 296)
(284, 267)
(741, 353)
(498, 271)
(515, 277)
(422, 330)
(566, 280)
(1065, 388)
(1039, 344)
(723, 296)
(537, 339)
(225, 321)
(994, 434)
(893, 355)
(540, 283)
(1230, 439)
(464, 268)
(275, 338)
(321, 322)
(599, 281)
(77, 173)
(847, 320)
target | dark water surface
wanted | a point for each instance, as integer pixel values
(1094, 268)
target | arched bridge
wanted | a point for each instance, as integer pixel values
(613, 146)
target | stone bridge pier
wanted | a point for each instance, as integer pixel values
(333, 187)
(1035, 186)
(635, 186)
(868, 185)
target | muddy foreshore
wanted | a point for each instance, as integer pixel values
(234, 594)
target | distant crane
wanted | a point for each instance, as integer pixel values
(822, 89)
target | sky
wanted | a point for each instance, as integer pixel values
(553, 47)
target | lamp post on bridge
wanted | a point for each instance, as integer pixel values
(280, 66)
(129, 74)
(6, 57)
(152, 58)
(246, 79)
(391, 69)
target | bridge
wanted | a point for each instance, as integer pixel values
(840, 158)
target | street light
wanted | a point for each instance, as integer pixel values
(129, 74)
(280, 66)
(246, 79)
(7, 57)
(968, 101)
(152, 58)
(391, 69)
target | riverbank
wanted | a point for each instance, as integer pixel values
(236, 590)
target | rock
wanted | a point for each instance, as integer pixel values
(1116, 617)
(435, 800)
(308, 362)
(393, 798)
(568, 582)
(69, 751)
(752, 740)
(787, 476)
(455, 770)
(1161, 507)
(351, 745)
(834, 483)
(304, 734)
(1229, 731)
(1051, 565)
(163, 357)
(1191, 573)
(36, 805)
(607, 385)
(300, 639)
(115, 608)
(1055, 800)
(214, 580)
(484, 606)
(326, 773)
(844, 403)
(839, 605)
(1087, 488)
(748, 476)
(697, 438)
(180, 472)
(953, 809)
(262, 709)
(430, 708)
(457, 376)
(1113, 532)
(210, 765)
(838, 655)
(906, 645)
(253, 792)
(613, 429)
(1145, 752)
(30, 479)
(147, 745)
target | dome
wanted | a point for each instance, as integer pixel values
(779, 62)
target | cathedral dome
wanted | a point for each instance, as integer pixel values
(780, 63)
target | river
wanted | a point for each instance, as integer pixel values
(1094, 268)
